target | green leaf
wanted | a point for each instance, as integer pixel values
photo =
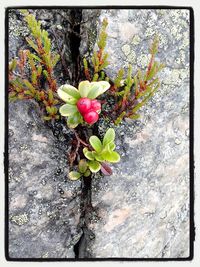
(109, 137)
(36, 58)
(67, 94)
(71, 90)
(98, 88)
(45, 73)
(88, 154)
(94, 166)
(85, 63)
(134, 116)
(84, 88)
(34, 77)
(68, 110)
(112, 146)
(29, 85)
(32, 44)
(82, 166)
(50, 95)
(109, 147)
(39, 70)
(47, 118)
(94, 91)
(152, 72)
(13, 65)
(105, 85)
(99, 157)
(94, 153)
(95, 77)
(87, 173)
(96, 143)
(74, 120)
(120, 118)
(74, 175)
(111, 156)
(49, 109)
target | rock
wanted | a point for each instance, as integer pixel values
(17, 34)
(89, 30)
(143, 208)
(44, 205)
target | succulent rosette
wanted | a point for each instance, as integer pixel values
(81, 104)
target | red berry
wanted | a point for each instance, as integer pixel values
(91, 117)
(84, 105)
(96, 105)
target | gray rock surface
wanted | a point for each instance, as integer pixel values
(143, 208)
(44, 205)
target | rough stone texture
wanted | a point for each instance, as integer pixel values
(143, 208)
(44, 206)
(89, 30)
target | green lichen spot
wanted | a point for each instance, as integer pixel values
(173, 78)
(136, 40)
(149, 32)
(20, 219)
(131, 57)
(143, 60)
(126, 49)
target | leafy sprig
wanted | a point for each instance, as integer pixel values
(99, 58)
(134, 92)
(41, 63)
(98, 157)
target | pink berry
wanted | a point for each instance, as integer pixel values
(84, 105)
(95, 105)
(91, 117)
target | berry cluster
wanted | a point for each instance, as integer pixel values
(89, 109)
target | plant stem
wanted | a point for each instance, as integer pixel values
(80, 140)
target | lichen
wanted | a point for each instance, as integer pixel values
(136, 40)
(126, 49)
(131, 58)
(143, 60)
(20, 219)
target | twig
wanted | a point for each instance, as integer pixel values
(80, 140)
